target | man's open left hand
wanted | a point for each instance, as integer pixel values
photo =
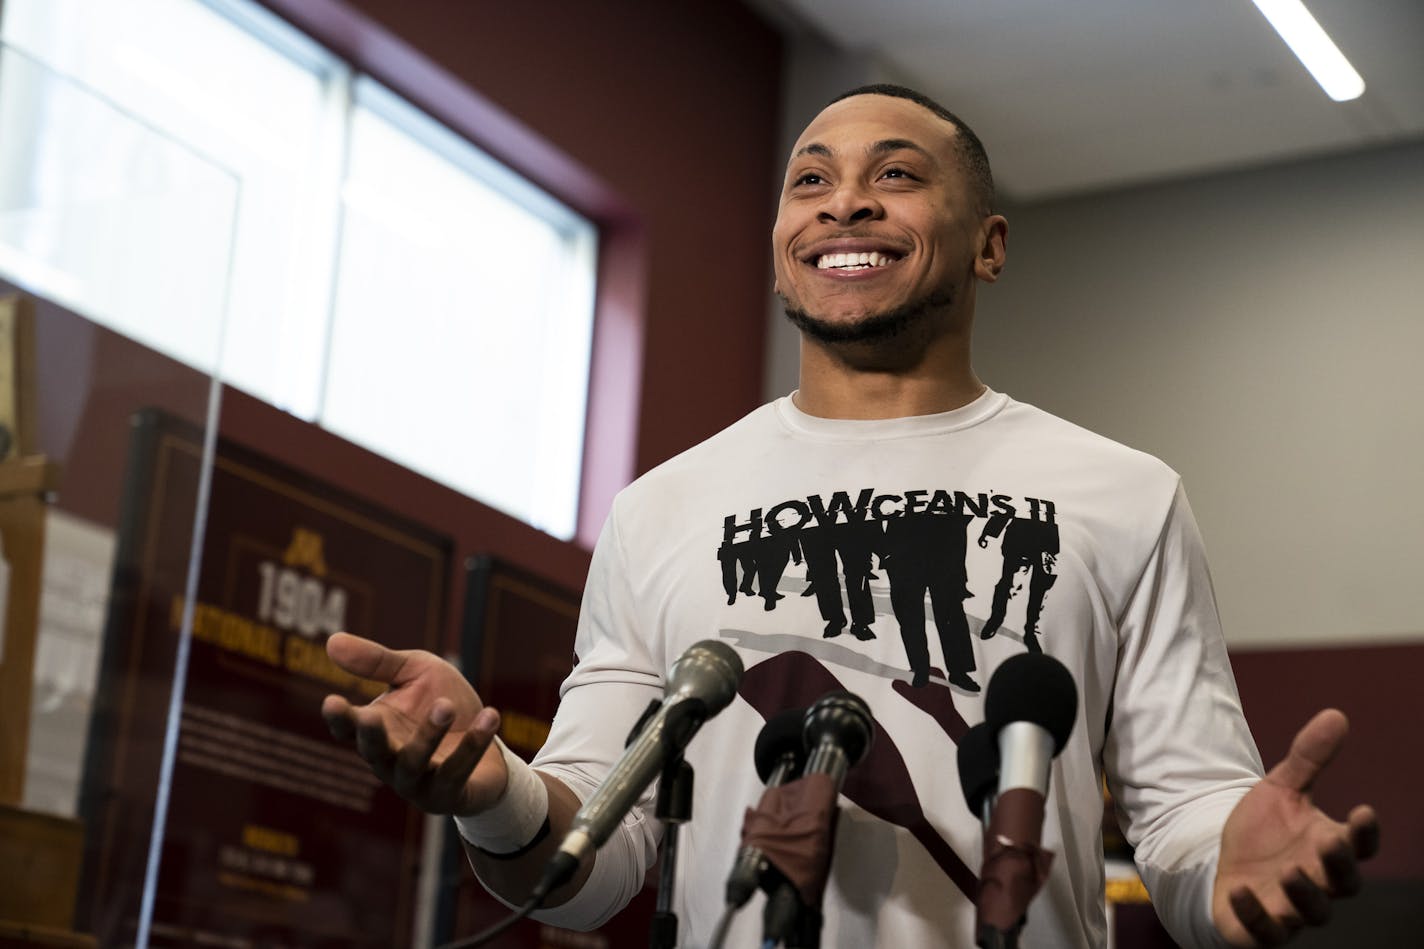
(1283, 860)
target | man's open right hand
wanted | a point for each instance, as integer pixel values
(427, 735)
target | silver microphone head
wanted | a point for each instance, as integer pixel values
(709, 670)
(840, 720)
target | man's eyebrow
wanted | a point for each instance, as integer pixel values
(887, 145)
(882, 147)
(815, 148)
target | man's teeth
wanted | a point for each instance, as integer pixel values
(853, 261)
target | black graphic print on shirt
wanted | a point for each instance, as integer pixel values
(918, 543)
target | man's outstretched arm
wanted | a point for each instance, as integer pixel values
(1283, 861)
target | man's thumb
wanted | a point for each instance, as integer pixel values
(364, 657)
(1313, 748)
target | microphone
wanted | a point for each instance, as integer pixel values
(838, 732)
(780, 750)
(779, 754)
(701, 683)
(978, 757)
(1030, 706)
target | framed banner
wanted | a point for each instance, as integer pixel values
(516, 646)
(276, 835)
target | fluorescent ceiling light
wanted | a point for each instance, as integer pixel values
(1314, 48)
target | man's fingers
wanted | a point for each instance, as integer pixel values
(452, 773)
(1313, 748)
(412, 761)
(365, 657)
(1309, 900)
(373, 743)
(1364, 831)
(1342, 870)
(337, 712)
(1254, 918)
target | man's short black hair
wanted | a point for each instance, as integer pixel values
(966, 143)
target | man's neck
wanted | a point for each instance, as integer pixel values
(833, 387)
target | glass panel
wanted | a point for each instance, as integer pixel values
(464, 310)
(172, 64)
(490, 278)
(99, 213)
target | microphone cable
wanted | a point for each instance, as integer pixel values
(724, 923)
(559, 871)
(480, 938)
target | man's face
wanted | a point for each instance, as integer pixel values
(878, 222)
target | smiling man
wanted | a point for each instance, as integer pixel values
(871, 476)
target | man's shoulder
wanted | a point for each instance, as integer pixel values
(1043, 432)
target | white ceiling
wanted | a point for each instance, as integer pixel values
(1076, 95)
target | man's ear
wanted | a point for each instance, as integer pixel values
(993, 248)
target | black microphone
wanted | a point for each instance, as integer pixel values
(978, 758)
(780, 753)
(702, 682)
(1030, 706)
(780, 750)
(838, 732)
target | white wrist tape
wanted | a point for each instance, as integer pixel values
(516, 817)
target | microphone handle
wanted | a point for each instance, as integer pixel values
(785, 918)
(668, 730)
(785, 765)
(1025, 754)
(746, 873)
(1010, 877)
(841, 729)
(828, 758)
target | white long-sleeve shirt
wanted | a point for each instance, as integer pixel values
(1088, 544)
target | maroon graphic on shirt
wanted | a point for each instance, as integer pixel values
(880, 784)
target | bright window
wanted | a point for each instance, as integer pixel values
(389, 281)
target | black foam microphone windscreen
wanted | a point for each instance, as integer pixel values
(978, 758)
(1035, 688)
(780, 745)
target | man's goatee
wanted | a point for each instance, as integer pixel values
(874, 327)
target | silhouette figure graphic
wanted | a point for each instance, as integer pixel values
(924, 552)
(1030, 545)
(732, 556)
(854, 543)
(781, 545)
